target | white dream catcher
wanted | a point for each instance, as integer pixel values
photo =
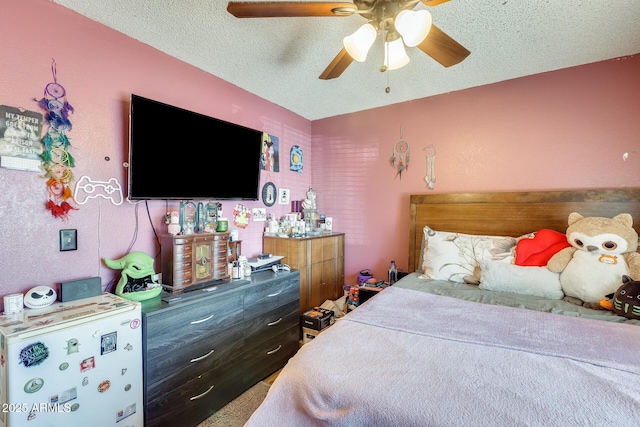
(401, 154)
(430, 178)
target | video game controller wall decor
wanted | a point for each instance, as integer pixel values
(88, 189)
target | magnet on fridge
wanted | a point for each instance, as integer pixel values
(33, 385)
(104, 386)
(63, 366)
(88, 363)
(73, 346)
(108, 342)
(33, 354)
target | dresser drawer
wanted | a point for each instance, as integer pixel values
(268, 356)
(188, 321)
(265, 326)
(173, 363)
(270, 295)
(196, 399)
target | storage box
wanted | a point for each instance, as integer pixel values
(317, 318)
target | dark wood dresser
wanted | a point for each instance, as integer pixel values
(210, 345)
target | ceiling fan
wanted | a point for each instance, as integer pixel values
(395, 19)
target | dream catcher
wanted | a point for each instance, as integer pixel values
(400, 157)
(430, 177)
(57, 161)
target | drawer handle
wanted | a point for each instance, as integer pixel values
(275, 323)
(195, 322)
(202, 394)
(276, 294)
(197, 359)
(275, 350)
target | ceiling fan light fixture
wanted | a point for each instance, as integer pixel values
(413, 26)
(359, 43)
(394, 55)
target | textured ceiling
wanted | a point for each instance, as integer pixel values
(280, 59)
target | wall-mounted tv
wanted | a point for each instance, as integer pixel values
(176, 154)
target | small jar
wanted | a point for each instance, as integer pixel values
(223, 225)
(242, 259)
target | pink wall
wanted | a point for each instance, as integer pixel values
(100, 68)
(561, 130)
(567, 129)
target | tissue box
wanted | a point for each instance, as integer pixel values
(317, 319)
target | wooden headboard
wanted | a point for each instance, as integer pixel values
(513, 213)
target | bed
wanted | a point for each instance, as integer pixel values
(434, 352)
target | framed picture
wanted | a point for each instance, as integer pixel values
(269, 194)
(283, 196)
(259, 214)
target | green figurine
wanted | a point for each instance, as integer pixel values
(136, 282)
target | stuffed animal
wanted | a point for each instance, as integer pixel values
(602, 251)
(626, 301)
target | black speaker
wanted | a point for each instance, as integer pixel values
(82, 288)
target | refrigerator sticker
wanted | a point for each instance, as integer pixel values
(73, 346)
(65, 396)
(33, 354)
(87, 364)
(128, 347)
(108, 343)
(123, 371)
(85, 381)
(63, 366)
(104, 386)
(129, 410)
(33, 385)
(135, 323)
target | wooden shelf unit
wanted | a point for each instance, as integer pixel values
(320, 260)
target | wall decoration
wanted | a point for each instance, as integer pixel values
(241, 216)
(401, 154)
(296, 159)
(430, 178)
(283, 196)
(20, 145)
(56, 159)
(86, 189)
(269, 194)
(270, 160)
(259, 214)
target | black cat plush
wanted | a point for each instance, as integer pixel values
(626, 300)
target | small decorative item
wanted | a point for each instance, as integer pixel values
(136, 281)
(223, 225)
(174, 224)
(283, 196)
(270, 153)
(269, 194)
(241, 216)
(259, 214)
(310, 201)
(40, 297)
(430, 178)
(33, 354)
(56, 159)
(401, 154)
(296, 159)
(20, 144)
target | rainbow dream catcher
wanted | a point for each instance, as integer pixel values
(56, 159)
(401, 154)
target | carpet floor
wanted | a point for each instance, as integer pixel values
(237, 412)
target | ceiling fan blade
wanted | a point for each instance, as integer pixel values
(337, 66)
(433, 2)
(288, 9)
(443, 48)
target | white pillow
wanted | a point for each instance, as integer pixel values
(528, 280)
(457, 257)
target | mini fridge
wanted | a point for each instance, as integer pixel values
(77, 363)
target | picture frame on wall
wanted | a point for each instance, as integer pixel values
(283, 196)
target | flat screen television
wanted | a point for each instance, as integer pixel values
(176, 154)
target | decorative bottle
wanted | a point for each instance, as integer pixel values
(393, 273)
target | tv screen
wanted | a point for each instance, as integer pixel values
(176, 154)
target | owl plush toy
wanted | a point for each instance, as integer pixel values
(602, 251)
